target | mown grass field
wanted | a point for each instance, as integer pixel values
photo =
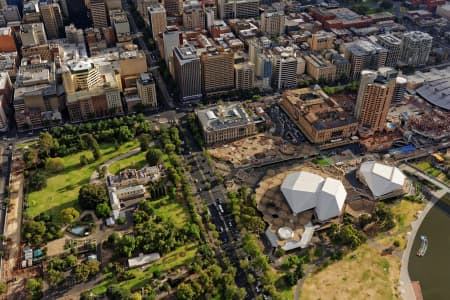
(137, 161)
(361, 274)
(62, 188)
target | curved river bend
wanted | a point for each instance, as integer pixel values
(433, 270)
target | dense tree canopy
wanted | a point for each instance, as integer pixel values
(154, 156)
(92, 194)
(69, 215)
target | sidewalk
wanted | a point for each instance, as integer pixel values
(405, 284)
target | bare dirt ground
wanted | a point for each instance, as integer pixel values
(13, 233)
(259, 149)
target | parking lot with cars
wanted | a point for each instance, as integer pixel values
(284, 127)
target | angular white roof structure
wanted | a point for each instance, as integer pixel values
(300, 189)
(381, 179)
(331, 199)
(304, 190)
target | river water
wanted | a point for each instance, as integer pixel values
(433, 269)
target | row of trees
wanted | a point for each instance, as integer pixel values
(67, 139)
(257, 263)
(243, 207)
(212, 282)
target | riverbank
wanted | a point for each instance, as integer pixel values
(405, 284)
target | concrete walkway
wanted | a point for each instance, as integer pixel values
(94, 176)
(406, 288)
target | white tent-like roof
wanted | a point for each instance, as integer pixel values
(300, 189)
(304, 190)
(381, 179)
(331, 199)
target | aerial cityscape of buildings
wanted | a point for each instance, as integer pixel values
(209, 128)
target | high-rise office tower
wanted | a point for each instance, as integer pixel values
(78, 13)
(187, 71)
(174, 8)
(217, 71)
(374, 99)
(284, 71)
(52, 18)
(394, 47)
(272, 22)
(171, 39)
(157, 20)
(98, 14)
(416, 48)
(146, 90)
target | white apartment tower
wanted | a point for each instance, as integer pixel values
(394, 47)
(416, 48)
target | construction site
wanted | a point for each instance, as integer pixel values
(260, 149)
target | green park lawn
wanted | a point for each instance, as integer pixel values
(137, 161)
(26, 144)
(428, 168)
(172, 211)
(174, 260)
(324, 161)
(62, 188)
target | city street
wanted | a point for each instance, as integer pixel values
(215, 199)
(152, 61)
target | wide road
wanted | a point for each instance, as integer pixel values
(168, 101)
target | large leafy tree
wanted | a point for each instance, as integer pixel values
(92, 194)
(69, 215)
(154, 156)
(46, 144)
(33, 232)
